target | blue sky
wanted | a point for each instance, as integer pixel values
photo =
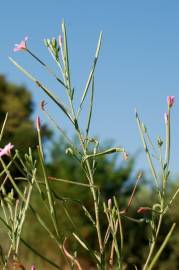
(138, 65)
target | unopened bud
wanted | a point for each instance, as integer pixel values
(60, 40)
(170, 101)
(143, 210)
(38, 123)
(69, 151)
(159, 141)
(109, 203)
(54, 42)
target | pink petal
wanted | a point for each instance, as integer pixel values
(21, 46)
(170, 100)
(6, 150)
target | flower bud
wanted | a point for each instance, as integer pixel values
(60, 40)
(159, 141)
(38, 123)
(143, 210)
(54, 42)
(46, 43)
(170, 101)
(109, 203)
(69, 151)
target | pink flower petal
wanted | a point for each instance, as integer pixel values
(170, 100)
(21, 46)
(6, 151)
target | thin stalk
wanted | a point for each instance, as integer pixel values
(96, 208)
(171, 201)
(22, 218)
(52, 120)
(111, 258)
(45, 66)
(167, 238)
(152, 145)
(120, 227)
(94, 194)
(152, 247)
(49, 195)
(89, 171)
(49, 93)
(72, 182)
(106, 152)
(148, 156)
(90, 75)
(12, 181)
(7, 166)
(32, 248)
(91, 108)
(56, 60)
(91, 181)
(167, 153)
(38, 217)
(3, 126)
(66, 58)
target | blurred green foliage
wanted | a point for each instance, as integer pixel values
(20, 129)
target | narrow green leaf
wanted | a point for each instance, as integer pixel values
(91, 108)
(55, 99)
(66, 58)
(106, 152)
(48, 190)
(90, 75)
(32, 248)
(85, 246)
(3, 126)
(147, 153)
(160, 250)
(47, 67)
(71, 182)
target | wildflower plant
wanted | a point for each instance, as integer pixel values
(111, 244)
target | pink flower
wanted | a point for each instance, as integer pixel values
(6, 150)
(21, 46)
(33, 267)
(170, 101)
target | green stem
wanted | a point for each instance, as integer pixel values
(167, 238)
(152, 247)
(167, 153)
(94, 194)
(45, 66)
